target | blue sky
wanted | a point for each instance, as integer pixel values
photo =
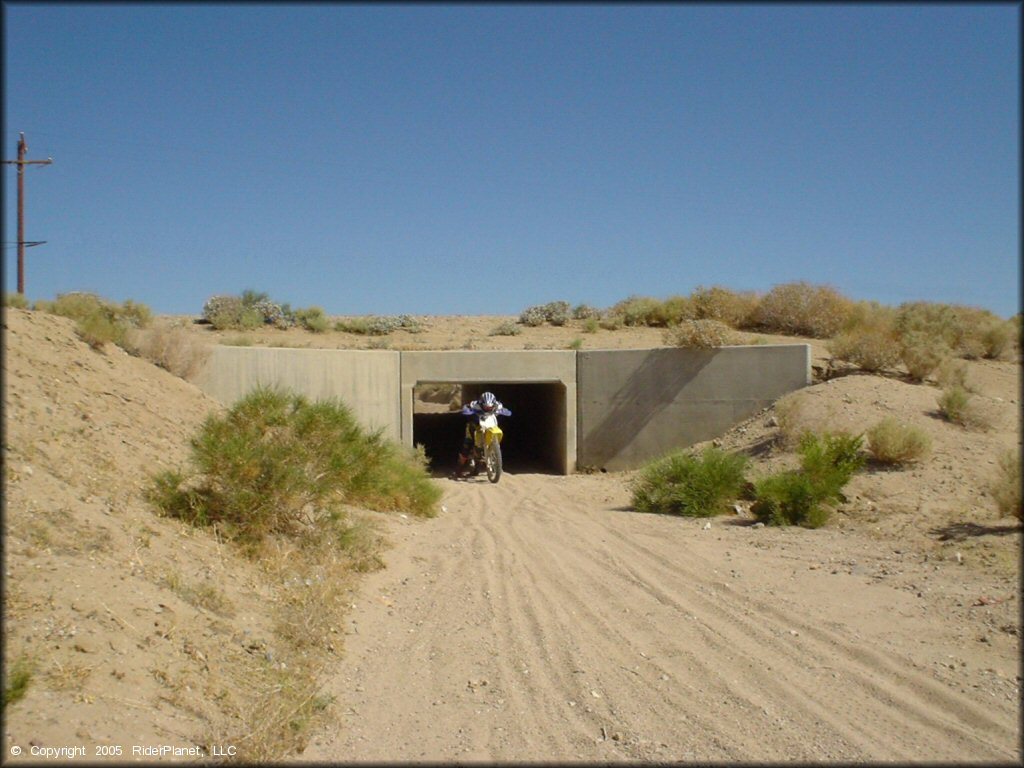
(478, 159)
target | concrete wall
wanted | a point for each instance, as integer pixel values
(635, 405)
(620, 407)
(494, 368)
(368, 381)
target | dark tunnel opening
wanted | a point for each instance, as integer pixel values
(534, 435)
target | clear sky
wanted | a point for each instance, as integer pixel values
(479, 159)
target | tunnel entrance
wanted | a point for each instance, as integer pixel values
(534, 434)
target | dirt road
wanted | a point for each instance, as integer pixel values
(541, 620)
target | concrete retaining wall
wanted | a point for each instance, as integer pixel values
(620, 408)
(366, 380)
(635, 405)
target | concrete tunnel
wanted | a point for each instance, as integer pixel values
(534, 435)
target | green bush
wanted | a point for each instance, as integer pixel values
(803, 497)
(802, 309)
(789, 498)
(277, 462)
(893, 442)
(830, 459)
(686, 484)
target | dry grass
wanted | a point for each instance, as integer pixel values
(171, 347)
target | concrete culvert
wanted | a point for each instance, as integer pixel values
(534, 434)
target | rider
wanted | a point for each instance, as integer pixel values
(486, 404)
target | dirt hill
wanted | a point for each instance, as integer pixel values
(540, 619)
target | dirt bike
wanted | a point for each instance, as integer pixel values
(487, 445)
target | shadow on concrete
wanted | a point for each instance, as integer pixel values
(652, 387)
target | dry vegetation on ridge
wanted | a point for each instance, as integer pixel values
(126, 627)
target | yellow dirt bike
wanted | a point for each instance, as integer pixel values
(487, 444)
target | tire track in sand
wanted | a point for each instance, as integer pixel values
(531, 624)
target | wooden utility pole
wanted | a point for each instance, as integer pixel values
(21, 162)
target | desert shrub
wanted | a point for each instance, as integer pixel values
(672, 311)
(554, 312)
(507, 328)
(956, 404)
(804, 496)
(246, 312)
(98, 321)
(997, 338)
(830, 459)
(869, 313)
(952, 372)
(591, 325)
(312, 319)
(716, 303)
(585, 312)
(893, 442)
(872, 347)
(637, 311)
(791, 416)
(575, 344)
(969, 332)
(172, 348)
(684, 483)
(953, 404)
(15, 300)
(533, 316)
(1005, 487)
(610, 321)
(276, 463)
(788, 498)
(360, 325)
(922, 353)
(699, 334)
(802, 309)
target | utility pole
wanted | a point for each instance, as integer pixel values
(21, 162)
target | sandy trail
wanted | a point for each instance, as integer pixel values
(541, 620)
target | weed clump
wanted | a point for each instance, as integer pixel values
(696, 485)
(276, 463)
(803, 497)
(893, 442)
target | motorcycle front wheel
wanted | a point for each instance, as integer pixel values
(492, 460)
